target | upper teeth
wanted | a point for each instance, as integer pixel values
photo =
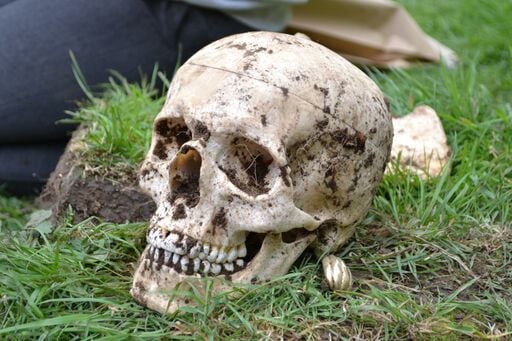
(213, 254)
(187, 255)
(242, 251)
(232, 255)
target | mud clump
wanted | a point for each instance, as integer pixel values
(70, 186)
(356, 141)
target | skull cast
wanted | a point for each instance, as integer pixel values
(267, 144)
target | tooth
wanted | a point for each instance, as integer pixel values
(170, 241)
(178, 250)
(229, 267)
(184, 263)
(172, 237)
(176, 258)
(206, 266)
(204, 253)
(197, 262)
(242, 251)
(221, 257)
(183, 243)
(213, 254)
(171, 248)
(206, 248)
(167, 256)
(151, 237)
(232, 255)
(239, 262)
(194, 251)
(215, 269)
(149, 254)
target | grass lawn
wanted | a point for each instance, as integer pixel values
(433, 259)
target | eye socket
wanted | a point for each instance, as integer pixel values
(247, 165)
(171, 134)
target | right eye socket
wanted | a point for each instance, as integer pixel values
(170, 134)
(247, 165)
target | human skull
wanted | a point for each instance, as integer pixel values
(267, 144)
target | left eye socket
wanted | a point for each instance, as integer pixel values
(247, 165)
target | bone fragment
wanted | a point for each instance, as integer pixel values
(419, 143)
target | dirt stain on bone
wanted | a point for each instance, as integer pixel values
(325, 92)
(356, 141)
(219, 220)
(160, 150)
(201, 131)
(263, 120)
(284, 175)
(170, 133)
(321, 125)
(179, 212)
(369, 160)
(330, 179)
(241, 47)
(252, 52)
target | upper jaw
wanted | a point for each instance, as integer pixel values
(154, 282)
(190, 256)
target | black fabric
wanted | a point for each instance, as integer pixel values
(36, 81)
(5, 2)
(24, 168)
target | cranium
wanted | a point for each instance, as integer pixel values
(267, 144)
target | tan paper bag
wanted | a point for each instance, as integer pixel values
(370, 32)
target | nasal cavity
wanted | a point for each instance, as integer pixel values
(184, 176)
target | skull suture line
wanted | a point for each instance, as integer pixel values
(267, 144)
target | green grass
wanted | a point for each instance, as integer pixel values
(433, 259)
(119, 120)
